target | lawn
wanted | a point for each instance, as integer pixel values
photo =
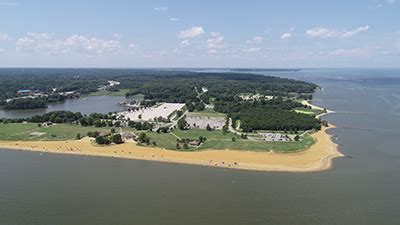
(31, 131)
(210, 135)
(163, 140)
(168, 140)
(309, 111)
(121, 92)
(207, 113)
(217, 140)
(249, 145)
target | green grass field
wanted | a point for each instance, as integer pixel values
(208, 113)
(121, 92)
(31, 131)
(163, 140)
(249, 145)
(217, 140)
(309, 111)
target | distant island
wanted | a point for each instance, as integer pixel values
(182, 113)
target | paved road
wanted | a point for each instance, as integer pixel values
(232, 130)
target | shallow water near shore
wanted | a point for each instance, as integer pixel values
(361, 189)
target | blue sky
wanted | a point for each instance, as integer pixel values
(200, 33)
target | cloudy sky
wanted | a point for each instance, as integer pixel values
(177, 33)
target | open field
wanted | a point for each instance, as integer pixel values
(207, 113)
(121, 92)
(309, 111)
(163, 140)
(307, 103)
(217, 140)
(250, 145)
(31, 131)
(210, 135)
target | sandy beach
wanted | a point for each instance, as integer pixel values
(317, 157)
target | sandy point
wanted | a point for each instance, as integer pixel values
(316, 158)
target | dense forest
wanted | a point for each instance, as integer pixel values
(276, 114)
(159, 85)
(276, 119)
(82, 80)
(25, 103)
(33, 103)
(182, 87)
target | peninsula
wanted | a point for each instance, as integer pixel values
(230, 120)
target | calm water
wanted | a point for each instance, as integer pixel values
(85, 105)
(365, 189)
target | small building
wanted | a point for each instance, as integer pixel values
(104, 133)
(69, 93)
(47, 124)
(24, 92)
(128, 136)
(194, 144)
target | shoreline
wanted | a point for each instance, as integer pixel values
(316, 158)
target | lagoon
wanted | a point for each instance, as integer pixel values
(85, 105)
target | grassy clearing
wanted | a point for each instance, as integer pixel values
(163, 140)
(31, 131)
(313, 112)
(121, 92)
(210, 135)
(217, 140)
(249, 145)
(207, 113)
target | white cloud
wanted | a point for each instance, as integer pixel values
(81, 42)
(40, 36)
(9, 4)
(216, 41)
(44, 42)
(132, 45)
(212, 51)
(323, 32)
(255, 40)
(191, 32)
(397, 44)
(378, 4)
(287, 35)
(184, 43)
(2, 50)
(253, 49)
(354, 32)
(3, 37)
(24, 44)
(174, 19)
(160, 9)
(355, 52)
(117, 36)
